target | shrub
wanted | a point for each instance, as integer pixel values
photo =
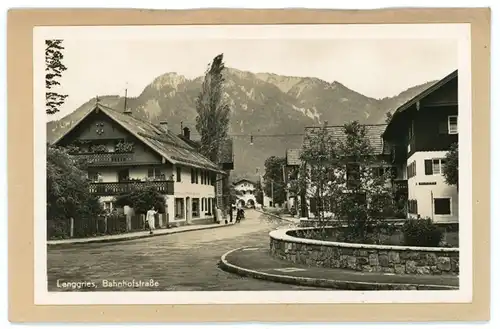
(141, 198)
(422, 233)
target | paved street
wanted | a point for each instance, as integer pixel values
(184, 261)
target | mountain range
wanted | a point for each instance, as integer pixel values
(273, 108)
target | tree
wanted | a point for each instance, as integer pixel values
(54, 68)
(318, 178)
(388, 117)
(68, 193)
(344, 180)
(451, 166)
(259, 197)
(274, 186)
(142, 197)
(212, 120)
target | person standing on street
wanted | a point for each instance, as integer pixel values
(150, 217)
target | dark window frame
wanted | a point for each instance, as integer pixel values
(441, 212)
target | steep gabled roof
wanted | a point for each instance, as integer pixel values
(244, 180)
(166, 144)
(373, 133)
(409, 103)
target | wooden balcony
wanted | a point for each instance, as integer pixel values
(117, 188)
(107, 159)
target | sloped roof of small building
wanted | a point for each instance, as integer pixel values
(373, 133)
(165, 143)
(244, 180)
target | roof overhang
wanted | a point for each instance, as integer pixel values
(414, 103)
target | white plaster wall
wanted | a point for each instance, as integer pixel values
(244, 188)
(424, 194)
(185, 188)
(182, 189)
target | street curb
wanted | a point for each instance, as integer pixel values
(54, 243)
(323, 283)
(274, 215)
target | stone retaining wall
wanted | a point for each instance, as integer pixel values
(316, 223)
(365, 258)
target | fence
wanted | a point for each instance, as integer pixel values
(113, 224)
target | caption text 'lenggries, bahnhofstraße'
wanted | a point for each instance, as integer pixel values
(77, 285)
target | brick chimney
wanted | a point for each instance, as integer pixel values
(187, 133)
(164, 126)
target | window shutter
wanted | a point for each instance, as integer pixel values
(428, 167)
(443, 127)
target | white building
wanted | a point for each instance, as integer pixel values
(245, 192)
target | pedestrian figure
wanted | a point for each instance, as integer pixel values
(219, 214)
(238, 213)
(150, 218)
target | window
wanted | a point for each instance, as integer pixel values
(442, 206)
(411, 170)
(202, 204)
(453, 124)
(382, 171)
(93, 177)
(196, 175)
(434, 166)
(179, 173)
(108, 205)
(179, 208)
(123, 175)
(412, 207)
(196, 207)
(154, 173)
(192, 176)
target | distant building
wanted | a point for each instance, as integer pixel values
(246, 191)
(420, 133)
(123, 151)
(381, 153)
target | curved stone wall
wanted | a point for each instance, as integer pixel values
(363, 257)
(311, 222)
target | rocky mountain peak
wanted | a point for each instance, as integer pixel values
(171, 79)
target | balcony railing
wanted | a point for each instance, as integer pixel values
(109, 158)
(116, 188)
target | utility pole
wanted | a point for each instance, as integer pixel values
(272, 193)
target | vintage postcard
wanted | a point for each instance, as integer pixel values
(254, 164)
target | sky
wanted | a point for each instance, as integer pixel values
(374, 67)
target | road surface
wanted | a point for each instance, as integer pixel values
(179, 262)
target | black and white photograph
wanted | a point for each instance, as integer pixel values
(253, 164)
